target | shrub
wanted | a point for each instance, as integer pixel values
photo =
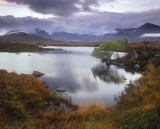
(106, 49)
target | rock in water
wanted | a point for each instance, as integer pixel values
(108, 62)
(67, 97)
(114, 62)
(132, 55)
(61, 89)
(37, 74)
(62, 93)
(137, 66)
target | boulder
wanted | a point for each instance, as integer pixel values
(121, 64)
(114, 62)
(37, 74)
(61, 89)
(137, 66)
(152, 59)
(62, 93)
(132, 55)
(67, 97)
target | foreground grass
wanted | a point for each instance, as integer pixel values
(139, 108)
(24, 103)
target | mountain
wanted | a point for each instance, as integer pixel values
(148, 27)
(64, 36)
(42, 33)
(145, 32)
(134, 34)
(21, 37)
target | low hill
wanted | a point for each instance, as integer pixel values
(22, 37)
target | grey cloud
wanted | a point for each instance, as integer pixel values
(26, 23)
(104, 22)
(97, 23)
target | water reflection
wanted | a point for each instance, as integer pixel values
(71, 84)
(107, 74)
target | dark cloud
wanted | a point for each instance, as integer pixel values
(97, 23)
(87, 3)
(59, 7)
(56, 7)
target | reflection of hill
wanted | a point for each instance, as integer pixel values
(107, 74)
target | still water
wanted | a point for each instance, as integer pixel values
(85, 78)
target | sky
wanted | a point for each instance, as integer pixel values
(77, 16)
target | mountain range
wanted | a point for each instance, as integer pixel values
(148, 32)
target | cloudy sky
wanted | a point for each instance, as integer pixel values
(77, 16)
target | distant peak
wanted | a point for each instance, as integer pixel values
(38, 30)
(148, 25)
